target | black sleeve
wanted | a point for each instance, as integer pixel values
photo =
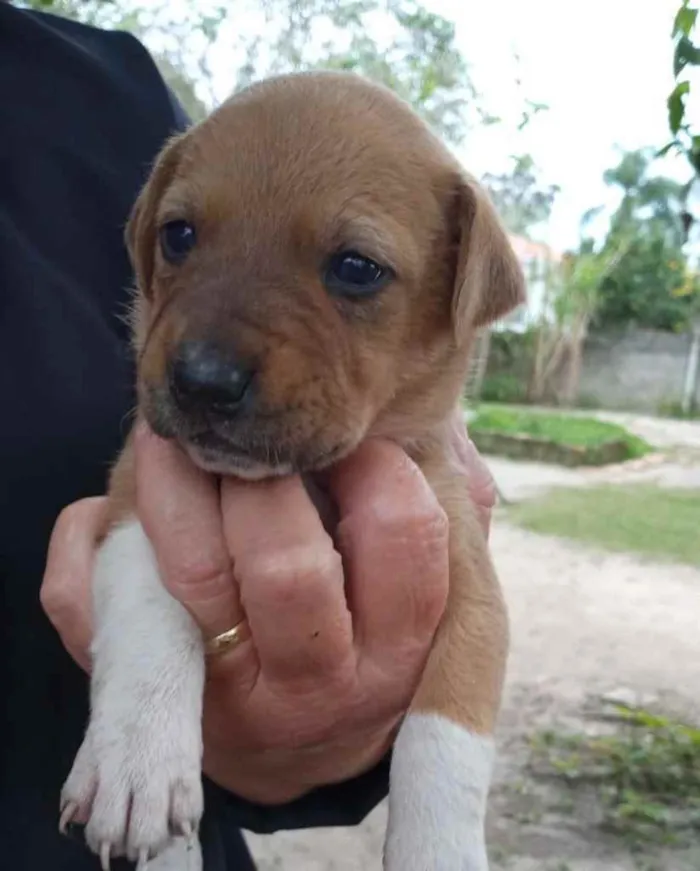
(343, 804)
(182, 121)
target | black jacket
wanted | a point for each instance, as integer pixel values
(82, 114)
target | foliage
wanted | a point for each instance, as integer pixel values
(674, 408)
(686, 55)
(655, 522)
(512, 351)
(396, 42)
(563, 429)
(521, 200)
(646, 774)
(572, 298)
(584, 273)
(503, 387)
(651, 284)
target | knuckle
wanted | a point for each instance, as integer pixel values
(422, 524)
(198, 579)
(76, 512)
(69, 517)
(487, 495)
(284, 575)
(56, 601)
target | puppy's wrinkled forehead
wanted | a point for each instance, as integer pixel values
(297, 157)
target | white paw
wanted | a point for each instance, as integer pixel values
(136, 781)
(135, 786)
(440, 777)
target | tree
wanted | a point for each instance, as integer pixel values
(686, 140)
(642, 288)
(396, 42)
(520, 199)
(686, 55)
(574, 298)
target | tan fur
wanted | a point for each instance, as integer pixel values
(466, 667)
(277, 179)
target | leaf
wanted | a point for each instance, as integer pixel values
(676, 106)
(662, 152)
(686, 53)
(685, 20)
(694, 154)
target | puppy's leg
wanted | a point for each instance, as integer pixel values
(443, 756)
(137, 778)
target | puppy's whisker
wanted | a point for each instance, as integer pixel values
(156, 318)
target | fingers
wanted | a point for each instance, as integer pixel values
(290, 578)
(179, 506)
(394, 537)
(65, 592)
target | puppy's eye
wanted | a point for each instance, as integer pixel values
(177, 239)
(353, 274)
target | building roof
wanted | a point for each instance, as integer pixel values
(525, 249)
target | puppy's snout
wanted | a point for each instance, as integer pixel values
(205, 378)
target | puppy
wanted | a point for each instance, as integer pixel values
(312, 264)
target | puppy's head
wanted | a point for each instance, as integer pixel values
(311, 263)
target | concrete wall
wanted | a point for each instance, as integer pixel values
(640, 370)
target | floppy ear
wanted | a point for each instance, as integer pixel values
(141, 230)
(489, 281)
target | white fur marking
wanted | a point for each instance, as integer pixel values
(440, 778)
(137, 777)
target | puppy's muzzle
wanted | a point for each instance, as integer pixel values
(206, 380)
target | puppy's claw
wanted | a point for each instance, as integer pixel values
(68, 811)
(105, 855)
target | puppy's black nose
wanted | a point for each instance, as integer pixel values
(204, 378)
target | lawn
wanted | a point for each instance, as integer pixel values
(652, 521)
(563, 429)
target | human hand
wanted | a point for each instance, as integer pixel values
(339, 631)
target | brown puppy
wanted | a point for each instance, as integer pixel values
(312, 263)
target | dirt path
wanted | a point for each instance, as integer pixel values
(585, 624)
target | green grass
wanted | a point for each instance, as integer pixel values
(571, 430)
(653, 521)
(646, 774)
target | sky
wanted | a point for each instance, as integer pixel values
(604, 68)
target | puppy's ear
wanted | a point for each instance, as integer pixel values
(489, 281)
(141, 231)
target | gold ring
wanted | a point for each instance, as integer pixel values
(227, 640)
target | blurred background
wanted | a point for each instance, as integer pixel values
(583, 120)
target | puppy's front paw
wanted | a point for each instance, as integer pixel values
(440, 777)
(135, 786)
